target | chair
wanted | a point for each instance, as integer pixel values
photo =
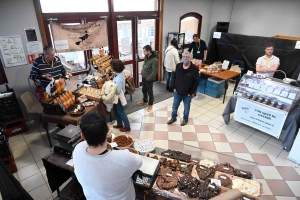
(129, 87)
(32, 104)
(243, 71)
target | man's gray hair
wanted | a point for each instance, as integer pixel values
(48, 49)
(186, 53)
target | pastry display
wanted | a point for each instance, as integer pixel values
(226, 168)
(123, 140)
(81, 99)
(90, 93)
(225, 180)
(76, 109)
(243, 174)
(176, 155)
(252, 188)
(89, 103)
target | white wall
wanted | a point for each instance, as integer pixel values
(174, 9)
(16, 15)
(258, 17)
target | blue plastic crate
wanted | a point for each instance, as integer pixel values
(201, 89)
(214, 93)
(214, 87)
(215, 83)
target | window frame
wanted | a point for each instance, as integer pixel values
(197, 16)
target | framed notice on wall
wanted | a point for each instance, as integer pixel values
(261, 117)
(12, 51)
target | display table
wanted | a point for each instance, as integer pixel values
(58, 171)
(223, 75)
(68, 119)
(290, 126)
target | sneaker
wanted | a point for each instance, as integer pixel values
(184, 122)
(149, 109)
(118, 126)
(140, 103)
(125, 129)
(171, 121)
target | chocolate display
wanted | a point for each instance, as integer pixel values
(167, 179)
(205, 172)
(243, 174)
(225, 180)
(176, 155)
(226, 168)
(211, 191)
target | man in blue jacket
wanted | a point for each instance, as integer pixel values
(185, 83)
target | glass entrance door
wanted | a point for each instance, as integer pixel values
(133, 34)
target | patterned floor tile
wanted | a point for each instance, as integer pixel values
(175, 136)
(161, 114)
(245, 156)
(192, 143)
(219, 137)
(160, 135)
(207, 145)
(135, 134)
(161, 120)
(149, 120)
(288, 173)
(188, 128)
(204, 137)
(189, 136)
(266, 188)
(147, 134)
(238, 148)
(201, 129)
(270, 149)
(294, 186)
(135, 126)
(222, 147)
(270, 172)
(255, 142)
(285, 198)
(262, 159)
(279, 188)
(147, 127)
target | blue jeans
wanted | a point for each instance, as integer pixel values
(186, 102)
(120, 114)
(169, 80)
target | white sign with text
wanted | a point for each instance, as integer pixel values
(261, 117)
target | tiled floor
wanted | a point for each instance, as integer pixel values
(205, 129)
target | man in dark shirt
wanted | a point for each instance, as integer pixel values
(185, 83)
(199, 48)
(46, 67)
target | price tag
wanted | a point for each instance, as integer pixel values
(257, 86)
(284, 93)
(292, 95)
(244, 173)
(211, 186)
(263, 88)
(223, 177)
(251, 85)
(277, 91)
(270, 89)
(225, 168)
(216, 181)
(113, 144)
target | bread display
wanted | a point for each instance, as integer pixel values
(90, 93)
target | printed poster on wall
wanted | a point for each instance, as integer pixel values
(261, 117)
(12, 51)
(69, 38)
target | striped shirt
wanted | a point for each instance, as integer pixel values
(41, 67)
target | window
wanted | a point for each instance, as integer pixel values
(150, 31)
(190, 24)
(140, 32)
(64, 6)
(135, 5)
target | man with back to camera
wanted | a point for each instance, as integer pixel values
(47, 66)
(199, 48)
(102, 173)
(185, 83)
(267, 64)
(149, 72)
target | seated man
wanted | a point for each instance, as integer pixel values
(267, 64)
(102, 173)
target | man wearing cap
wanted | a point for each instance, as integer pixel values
(199, 48)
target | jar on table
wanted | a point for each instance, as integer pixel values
(266, 101)
(254, 97)
(273, 103)
(260, 99)
(248, 96)
(279, 105)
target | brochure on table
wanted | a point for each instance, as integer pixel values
(264, 103)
